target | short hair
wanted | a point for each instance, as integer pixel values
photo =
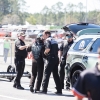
(47, 32)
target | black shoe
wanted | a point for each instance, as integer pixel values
(58, 93)
(14, 85)
(55, 87)
(67, 88)
(20, 87)
(43, 92)
(36, 91)
(31, 89)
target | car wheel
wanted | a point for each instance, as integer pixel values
(10, 70)
(75, 76)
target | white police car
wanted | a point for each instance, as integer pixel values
(82, 55)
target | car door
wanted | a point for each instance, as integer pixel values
(92, 54)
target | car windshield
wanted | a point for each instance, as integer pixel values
(29, 30)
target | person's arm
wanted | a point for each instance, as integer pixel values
(60, 52)
(60, 55)
(31, 55)
(24, 47)
(20, 47)
(46, 51)
(47, 47)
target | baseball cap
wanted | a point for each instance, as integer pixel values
(69, 36)
(21, 34)
(39, 35)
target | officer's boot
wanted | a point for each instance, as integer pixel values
(31, 89)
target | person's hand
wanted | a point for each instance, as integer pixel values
(27, 46)
(45, 53)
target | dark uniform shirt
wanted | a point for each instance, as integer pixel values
(65, 47)
(39, 43)
(88, 84)
(20, 53)
(51, 44)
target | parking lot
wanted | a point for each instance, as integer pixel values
(7, 92)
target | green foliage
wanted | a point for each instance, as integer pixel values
(56, 27)
(31, 20)
(13, 12)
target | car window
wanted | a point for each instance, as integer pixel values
(28, 30)
(82, 44)
(95, 46)
(36, 31)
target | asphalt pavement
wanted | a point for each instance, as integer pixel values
(7, 92)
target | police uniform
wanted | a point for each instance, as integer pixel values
(19, 61)
(88, 84)
(51, 65)
(64, 48)
(37, 67)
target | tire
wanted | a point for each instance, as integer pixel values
(75, 76)
(10, 69)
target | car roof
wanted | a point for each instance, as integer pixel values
(79, 26)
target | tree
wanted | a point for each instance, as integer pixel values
(82, 15)
(70, 8)
(45, 12)
(11, 19)
(31, 20)
(4, 7)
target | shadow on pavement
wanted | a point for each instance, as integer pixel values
(53, 94)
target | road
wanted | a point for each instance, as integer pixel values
(7, 92)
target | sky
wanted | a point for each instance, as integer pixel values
(37, 5)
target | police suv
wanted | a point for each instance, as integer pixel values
(82, 55)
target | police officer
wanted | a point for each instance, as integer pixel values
(51, 54)
(63, 54)
(20, 55)
(37, 63)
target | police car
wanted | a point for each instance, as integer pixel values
(82, 55)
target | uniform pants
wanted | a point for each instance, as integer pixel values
(51, 66)
(37, 71)
(62, 72)
(20, 65)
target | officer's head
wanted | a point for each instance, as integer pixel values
(46, 34)
(69, 37)
(21, 36)
(39, 36)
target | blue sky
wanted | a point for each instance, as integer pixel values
(37, 5)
